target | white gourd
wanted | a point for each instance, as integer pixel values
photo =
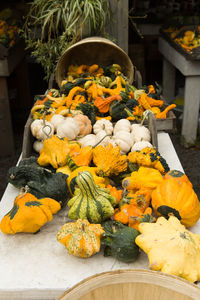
(141, 145)
(103, 124)
(122, 124)
(38, 145)
(41, 130)
(140, 133)
(56, 120)
(68, 128)
(101, 135)
(88, 140)
(124, 140)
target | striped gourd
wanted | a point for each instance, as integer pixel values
(90, 201)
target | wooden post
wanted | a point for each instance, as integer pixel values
(118, 28)
(6, 135)
(168, 81)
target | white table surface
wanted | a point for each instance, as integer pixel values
(36, 266)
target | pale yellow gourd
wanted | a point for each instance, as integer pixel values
(171, 248)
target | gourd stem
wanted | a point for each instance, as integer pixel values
(101, 140)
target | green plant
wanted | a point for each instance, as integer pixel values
(62, 23)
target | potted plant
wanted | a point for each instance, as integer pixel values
(53, 25)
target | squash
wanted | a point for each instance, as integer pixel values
(117, 193)
(68, 128)
(171, 248)
(102, 139)
(56, 120)
(41, 129)
(144, 178)
(122, 124)
(81, 238)
(149, 157)
(88, 140)
(119, 241)
(80, 157)
(84, 124)
(124, 140)
(39, 181)
(38, 145)
(71, 180)
(28, 214)
(173, 197)
(54, 152)
(138, 146)
(90, 201)
(180, 176)
(140, 133)
(108, 160)
(103, 124)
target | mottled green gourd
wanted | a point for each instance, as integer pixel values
(90, 201)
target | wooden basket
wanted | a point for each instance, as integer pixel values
(94, 50)
(133, 285)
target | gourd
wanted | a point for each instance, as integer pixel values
(54, 152)
(39, 181)
(178, 175)
(178, 198)
(68, 128)
(102, 138)
(80, 157)
(41, 129)
(90, 201)
(138, 146)
(171, 248)
(109, 161)
(122, 124)
(149, 157)
(28, 214)
(88, 140)
(84, 124)
(140, 133)
(56, 120)
(71, 180)
(81, 238)
(103, 124)
(38, 145)
(144, 178)
(119, 241)
(124, 140)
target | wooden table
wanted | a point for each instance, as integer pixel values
(15, 61)
(173, 60)
(36, 266)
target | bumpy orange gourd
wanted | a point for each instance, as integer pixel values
(178, 198)
(28, 214)
(81, 238)
(178, 175)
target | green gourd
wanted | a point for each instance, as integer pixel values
(119, 241)
(90, 201)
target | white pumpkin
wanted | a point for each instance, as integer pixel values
(141, 145)
(103, 124)
(68, 128)
(101, 136)
(140, 133)
(38, 145)
(88, 140)
(41, 130)
(122, 124)
(56, 120)
(124, 140)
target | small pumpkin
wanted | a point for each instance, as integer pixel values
(124, 140)
(84, 124)
(178, 175)
(56, 120)
(138, 146)
(41, 130)
(90, 201)
(122, 124)
(88, 140)
(81, 238)
(28, 214)
(140, 133)
(173, 197)
(68, 128)
(171, 248)
(103, 124)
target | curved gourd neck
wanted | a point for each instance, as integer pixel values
(86, 183)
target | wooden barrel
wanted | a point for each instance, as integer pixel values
(133, 285)
(94, 50)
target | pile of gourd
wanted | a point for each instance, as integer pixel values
(113, 185)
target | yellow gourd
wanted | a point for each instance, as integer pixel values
(28, 214)
(171, 248)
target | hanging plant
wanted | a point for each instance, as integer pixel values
(51, 26)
